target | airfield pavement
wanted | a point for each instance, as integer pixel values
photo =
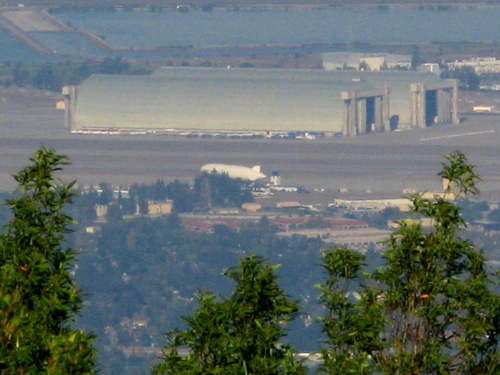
(378, 165)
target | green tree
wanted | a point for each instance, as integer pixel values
(219, 190)
(466, 75)
(83, 210)
(115, 213)
(430, 309)
(115, 65)
(383, 218)
(5, 214)
(38, 298)
(242, 334)
(494, 215)
(181, 194)
(349, 328)
(47, 79)
(20, 74)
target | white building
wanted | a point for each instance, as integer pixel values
(481, 65)
(160, 208)
(430, 68)
(365, 61)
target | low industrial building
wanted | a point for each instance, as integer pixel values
(259, 102)
(359, 239)
(365, 61)
(288, 204)
(402, 204)
(251, 207)
(481, 65)
(101, 210)
(160, 208)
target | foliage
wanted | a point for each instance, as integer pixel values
(429, 310)
(82, 209)
(5, 214)
(239, 335)
(53, 76)
(179, 192)
(113, 66)
(219, 190)
(114, 213)
(383, 218)
(351, 326)
(467, 77)
(38, 298)
(174, 263)
(208, 191)
(494, 216)
(46, 79)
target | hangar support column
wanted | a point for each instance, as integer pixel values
(350, 115)
(378, 114)
(418, 105)
(386, 110)
(361, 124)
(455, 118)
(69, 94)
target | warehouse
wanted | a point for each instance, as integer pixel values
(365, 61)
(253, 101)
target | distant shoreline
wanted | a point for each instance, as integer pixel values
(249, 5)
(195, 5)
(21, 22)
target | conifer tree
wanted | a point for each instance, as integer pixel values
(240, 335)
(430, 310)
(38, 297)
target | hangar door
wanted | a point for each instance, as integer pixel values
(434, 103)
(365, 111)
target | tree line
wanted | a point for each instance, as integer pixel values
(468, 79)
(54, 76)
(429, 309)
(208, 190)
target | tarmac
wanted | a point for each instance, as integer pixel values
(378, 165)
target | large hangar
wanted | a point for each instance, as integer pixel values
(256, 101)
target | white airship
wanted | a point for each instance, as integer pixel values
(235, 171)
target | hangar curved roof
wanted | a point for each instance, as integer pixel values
(207, 99)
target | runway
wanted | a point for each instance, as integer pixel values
(382, 163)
